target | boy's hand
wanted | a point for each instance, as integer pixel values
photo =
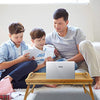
(48, 59)
(24, 57)
(33, 58)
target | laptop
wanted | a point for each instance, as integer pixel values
(60, 70)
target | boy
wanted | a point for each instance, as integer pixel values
(13, 64)
(38, 39)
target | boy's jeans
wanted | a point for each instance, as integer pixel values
(19, 73)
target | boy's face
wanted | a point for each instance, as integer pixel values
(16, 38)
(39, 42)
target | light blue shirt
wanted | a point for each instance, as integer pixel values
(67, 46)
(8, 51)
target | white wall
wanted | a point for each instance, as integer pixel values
(95, 7)
(40, 15)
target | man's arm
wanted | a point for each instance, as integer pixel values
(5, 65)
(78, 57)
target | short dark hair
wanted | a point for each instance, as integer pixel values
(37, 33)
(61, 13)
(16, 28)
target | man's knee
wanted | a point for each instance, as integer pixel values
(85, 45)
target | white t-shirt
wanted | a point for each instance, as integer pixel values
(18, 50)
(40, 55)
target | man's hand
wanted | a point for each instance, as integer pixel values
(56, 52)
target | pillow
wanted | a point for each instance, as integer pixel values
(96, 45)
(5, 86)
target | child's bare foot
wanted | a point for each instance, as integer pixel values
(51, 85)
(97, 85)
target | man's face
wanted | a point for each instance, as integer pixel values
(16, 38)
(60, 25)
(39, 42)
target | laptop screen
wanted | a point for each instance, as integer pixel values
(60, 70)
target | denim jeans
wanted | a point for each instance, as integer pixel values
(42, 70)
(19, 73)
(63, 59)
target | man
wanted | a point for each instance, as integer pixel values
(66, 39)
